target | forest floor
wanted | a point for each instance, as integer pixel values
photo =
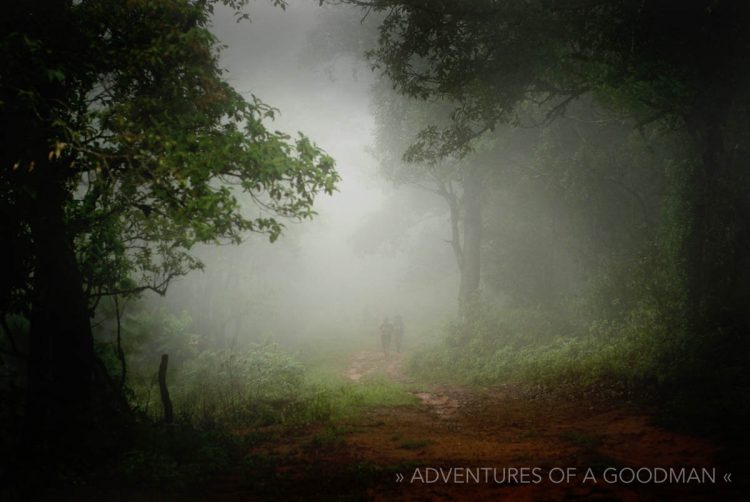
(521, 447)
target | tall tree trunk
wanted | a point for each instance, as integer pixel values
(166, 402)
(717, 183)
(468, 293)
(711, 198)
(61, 362)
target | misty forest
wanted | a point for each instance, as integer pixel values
(372, 249)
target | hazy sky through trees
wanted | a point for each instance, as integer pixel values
(265, 57)
(333, 269)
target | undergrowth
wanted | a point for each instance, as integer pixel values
(529, 347)
(227, 401)
(695, 383)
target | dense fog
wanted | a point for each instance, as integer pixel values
(375, 249)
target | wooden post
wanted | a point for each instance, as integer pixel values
(165, 401)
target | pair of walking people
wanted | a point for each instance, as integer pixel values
(392, 332)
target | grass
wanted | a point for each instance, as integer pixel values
(229, 403)
(330, 439)
(331, 398)
(190, 453)
(524, 348)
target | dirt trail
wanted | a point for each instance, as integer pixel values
(492, 431)
(369, 363)
(476, 444)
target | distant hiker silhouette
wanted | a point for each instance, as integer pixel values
(398, 332)
(386, 333)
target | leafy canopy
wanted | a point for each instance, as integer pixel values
(653, 60)
(123, 105)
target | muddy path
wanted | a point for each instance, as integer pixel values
(500, 443)
(459, 435)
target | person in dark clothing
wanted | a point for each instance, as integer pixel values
(386, 333)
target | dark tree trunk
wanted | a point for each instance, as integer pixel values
(471, 263)
(696, 246)
(61, 362)
(717, 183)
(712, 199)
(164, 391)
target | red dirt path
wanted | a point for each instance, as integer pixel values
(498, 428)
(502, 427)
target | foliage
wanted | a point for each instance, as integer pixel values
(154, 144)
(259, 384)
(122, 148)
(252, 387)
(491, 58)
(119, 115)
(332, 399)
(531, 349)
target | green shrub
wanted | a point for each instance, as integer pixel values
(253, 387)
(493, 348)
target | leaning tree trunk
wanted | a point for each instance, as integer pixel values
(61, 356)
(468, 293)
